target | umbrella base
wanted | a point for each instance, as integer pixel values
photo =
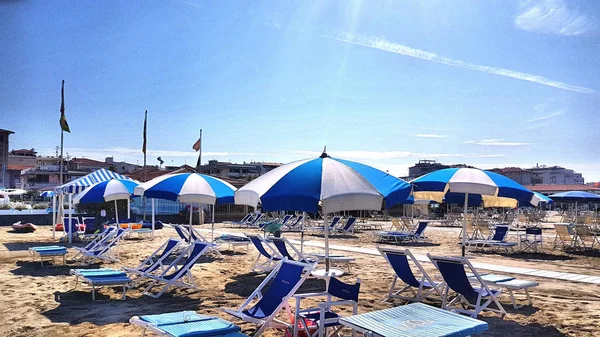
(322, 273)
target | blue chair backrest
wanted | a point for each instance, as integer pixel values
(281, 247)
(258, 244)
(402, 268)
(182, 235)
(349, 223)
(90, 225)
(343, 290)
(71, 225)
(286, 218)
(334, 221)
(288, 276)
(456, 278)
(190, 261)
(421, 228)
(533, 231)
(500, 233)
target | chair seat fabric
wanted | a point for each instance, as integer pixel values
(191, 324)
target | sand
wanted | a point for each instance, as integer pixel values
(40, 301)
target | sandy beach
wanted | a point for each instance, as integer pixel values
(39, 301)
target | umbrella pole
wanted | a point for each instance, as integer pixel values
(191, 215)
(54, 216)
(212, 234)
(129, 208)
(152, 217)
(464, 229)
(575, 212)
(302, 233)
(326, 227)
(117, 214)
(70, 217)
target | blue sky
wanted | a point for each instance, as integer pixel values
(386, 83)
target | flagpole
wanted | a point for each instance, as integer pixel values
(199, 162)
(145, 178)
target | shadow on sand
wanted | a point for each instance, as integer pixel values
(244, 284)
(504, 327)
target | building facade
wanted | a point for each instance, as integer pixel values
(427, 166)
(237, 171)
(19, 160)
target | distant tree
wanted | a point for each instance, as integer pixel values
(112, 168)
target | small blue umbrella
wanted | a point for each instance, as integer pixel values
(576, 197)
(495, 190)
(105, 191)
(47, 194)
(543, 198)
(189, 188)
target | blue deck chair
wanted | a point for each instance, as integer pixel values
(177, 274)
(186, 324)
(265, 251)
(47, 251)
(337, 294)
(286, 278)
(100, 278)
(157, 260)
(420, 288)
(348, 227)
(183, 234)
(456, 279)
(105, 249)
(294, 223)
(281, 245)
(255, 221)
(74, 226)
(497, 241)
(245, 219)
(106, 234)
(334, 222)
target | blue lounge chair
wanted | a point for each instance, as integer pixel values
(400, 236)
(100, 237)
(47, 251)
(177, 274)
(420, 288)
(105, 249)
(497, 241)
(265, 251)
(281, 245)
(186, 324)
(337, 294)
(286, 278)
(478, 298)
(294, 223)
(157, 260)
(334, 222)
(245, 219)
(100, 278)
(348, 226)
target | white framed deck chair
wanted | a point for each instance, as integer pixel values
(103, 277)
(242, 221)
(267, 256)
(337, 294)
(156, 262)
(282, 244)
(177, 274)
(497, 241)
(586, 239)
(101, 238)
(467, 299)
(563, 236)
(419, 288)
(262, 305)
(254, 222)
(105, 250)
(511, 285)
(334, 222)
(347, 227)
(295, 223)
(186, 323)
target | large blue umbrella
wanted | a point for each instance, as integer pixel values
(543, 198)
(576, 197)
(495, 190)
(105, 191)
(189, 188)
(334, 184)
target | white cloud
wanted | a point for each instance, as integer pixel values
(400, 49)
(553, 17)
(546, 117)
(495, 142)
(429, 135)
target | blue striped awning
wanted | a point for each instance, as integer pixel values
(82, 183)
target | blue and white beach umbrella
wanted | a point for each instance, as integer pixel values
(334, 184)
(189, 188)
(576, 197)
(47, 194)
(543, 198)
(496, 190)
(105, 191)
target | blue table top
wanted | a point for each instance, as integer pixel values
(415, 319)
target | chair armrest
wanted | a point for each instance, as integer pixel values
(301, 296)
(330, 304)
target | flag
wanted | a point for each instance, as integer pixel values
(63, 120)
(145, 121)
(196, 145)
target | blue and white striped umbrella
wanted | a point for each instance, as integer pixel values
(188, 188)
(576, 196)
(496, 190)
(340, 185)
(47, 194)
(543, 198)
(110, 190)
(82, 183)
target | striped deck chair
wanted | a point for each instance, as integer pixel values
(281, 245)
(105, 250)
(347, 228)
(177, 274)
(265, 252)
(156, 262)
(468, 299)
(285, 279)
(419, 288)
